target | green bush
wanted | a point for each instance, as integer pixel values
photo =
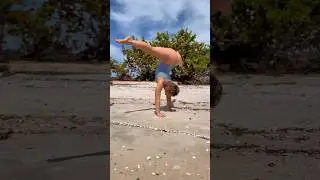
(272, 33)
(195, 55)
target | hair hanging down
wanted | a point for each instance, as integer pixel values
(173, 88)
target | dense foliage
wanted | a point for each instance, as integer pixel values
(46, 31)
(195, 55)
(268, 35)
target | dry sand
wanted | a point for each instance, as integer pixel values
(159, 148)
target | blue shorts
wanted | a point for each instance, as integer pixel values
(163, 75)
(163, 70)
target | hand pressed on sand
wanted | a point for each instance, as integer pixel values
(159, 114)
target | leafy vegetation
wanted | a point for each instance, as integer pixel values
(195, 55)
(257, 36)
(268, 35)
(47, 30)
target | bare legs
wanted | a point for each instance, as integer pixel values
(167, 55)
(137, 44)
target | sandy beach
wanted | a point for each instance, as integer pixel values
(52, 122)
(145, 147)
(53, 127)
(267, 128)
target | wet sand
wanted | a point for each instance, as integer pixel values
(267, 128)
(53, 126)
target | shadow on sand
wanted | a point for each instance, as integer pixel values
(60, 159)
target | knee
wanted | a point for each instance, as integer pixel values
(150, 48)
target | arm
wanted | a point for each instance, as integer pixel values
(157, 97)
(169, 102)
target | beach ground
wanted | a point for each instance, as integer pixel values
(52, 122)
(53, 127)
(267, 128)
(144, 147)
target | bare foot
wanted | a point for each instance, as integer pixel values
(125, 40)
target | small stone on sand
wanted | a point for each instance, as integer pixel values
(176, 167)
